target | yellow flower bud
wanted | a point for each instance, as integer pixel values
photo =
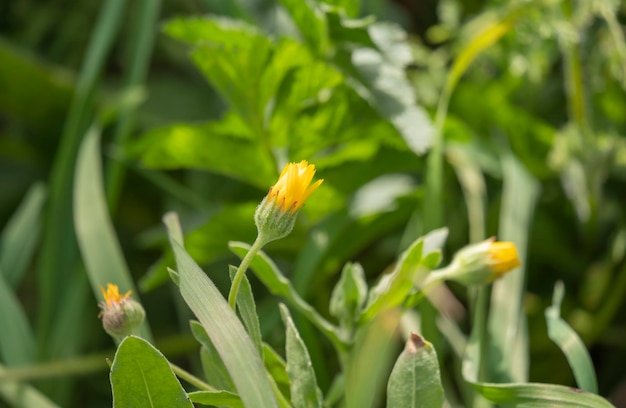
(481, 263)
(121, 315)
(276, 215)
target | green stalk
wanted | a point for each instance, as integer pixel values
(190, 378)
(241, 271)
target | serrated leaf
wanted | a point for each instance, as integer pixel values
(223, 328)
(311, 22)
(415, 381)
(303, 384)
(570, 343)
(247, 310)
(216, 398)
(387, 89)
(209, 147)
(349, 295)
(212, 364)
(142, 377)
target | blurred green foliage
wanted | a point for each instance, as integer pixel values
(523, 104)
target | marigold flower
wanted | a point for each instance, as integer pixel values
(121, 315)
(294, 186)
(276, 214)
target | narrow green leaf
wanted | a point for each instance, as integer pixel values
(247, 310)
(217, 398)
(101, 251)
(394, 287)
(508, 336)
(371, 359)
(276, 367)
(58, 255)
(349, 295)
(17, 343)
(570, 343)
(303, 384)
(212, 364)
(20, 235)
(520, 394)
(223, 327)
(415, 380)
(142, 377)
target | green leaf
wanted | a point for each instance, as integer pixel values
(304, 390)
(20, 235)
(17, 345)
(311, 22)
(222, 326)
(217, 398)
(247, 310)
(212, 364)
(394, 287)
(276, 367)
(349, 295)
(371, 359)
(212, 29)
(507, 322)
(518, 393)
(349, 7)
(415, 380)
(570, 343)
(101, 251)
(142, 377)
(210, 146)
(387, 89)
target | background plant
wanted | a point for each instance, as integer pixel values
(526, 101)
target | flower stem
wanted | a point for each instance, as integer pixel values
(241, 271)
(190, 378)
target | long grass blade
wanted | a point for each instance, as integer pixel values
(506, 325)
(58, 254)
(20, 235)
(98, 244)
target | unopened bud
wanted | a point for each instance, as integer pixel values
(276, 215)
(481, 263)
(121, 315)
